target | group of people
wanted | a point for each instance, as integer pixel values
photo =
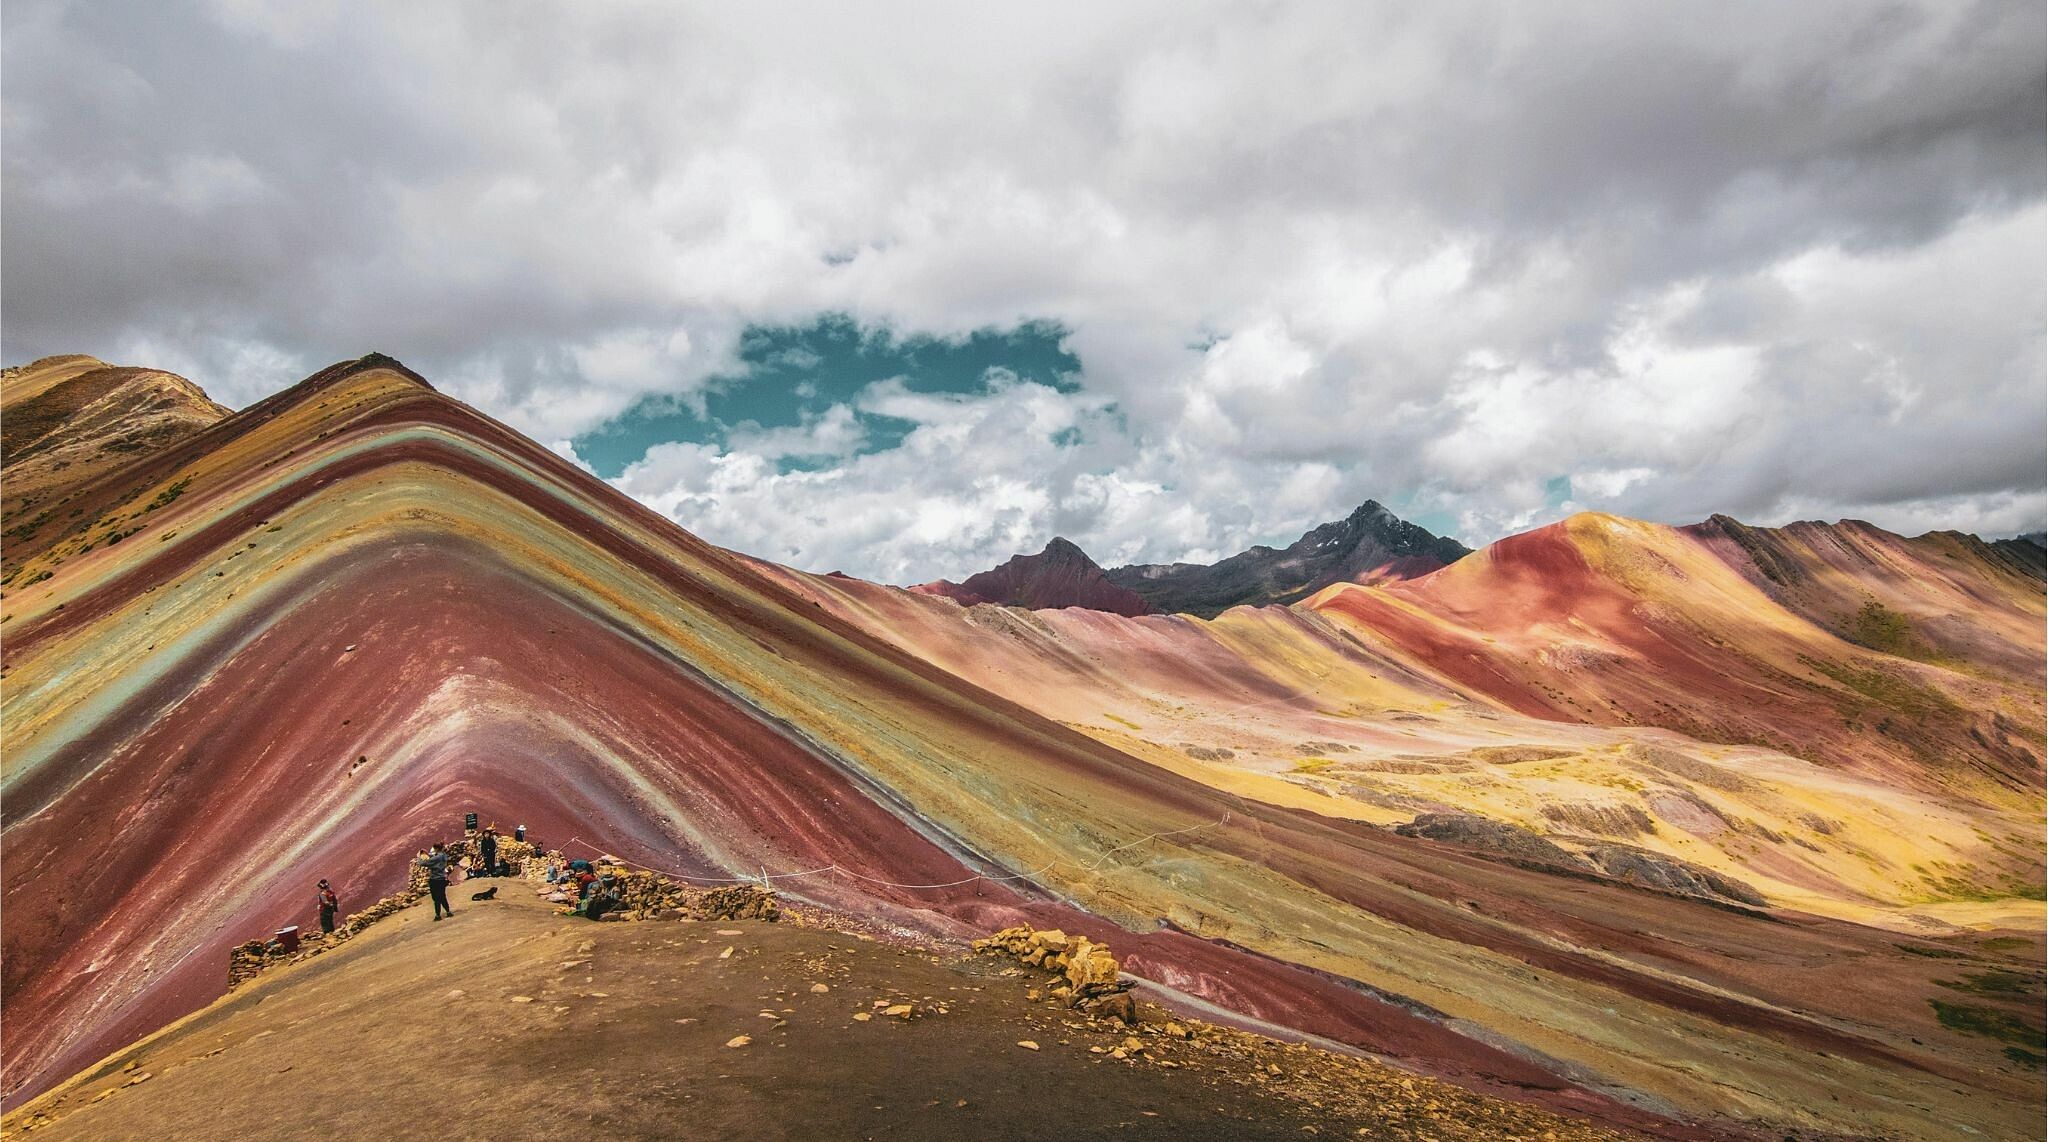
(597, 893)
(439, 861)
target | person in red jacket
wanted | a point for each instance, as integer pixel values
(329, 905)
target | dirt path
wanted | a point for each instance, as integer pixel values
(508, 1021)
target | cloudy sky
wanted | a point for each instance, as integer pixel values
(902, 292)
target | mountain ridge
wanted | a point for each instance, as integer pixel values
(1370, 545)
(67, 421)
(418, 612)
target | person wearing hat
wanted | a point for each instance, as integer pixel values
(329, 905)
(487, 851)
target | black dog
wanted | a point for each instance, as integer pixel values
(490, 893)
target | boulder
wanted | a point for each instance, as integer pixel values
(1670, 874)
(1485, 835)
(1090, 972)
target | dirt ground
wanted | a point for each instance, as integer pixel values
(507, 1020)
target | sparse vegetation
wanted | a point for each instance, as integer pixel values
(1952, 883)
(168, 496)
(1930, 953)
(1881, 628)
(1994, 983)
(1889, 691)
(1988, 1022)
(28, 530)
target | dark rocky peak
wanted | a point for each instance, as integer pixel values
(1062, 575)
(1062, 551)
(1387, 533)
(1371, 544)
(2028, 552)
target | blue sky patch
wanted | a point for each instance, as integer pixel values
(791, 377)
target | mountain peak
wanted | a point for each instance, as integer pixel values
(1370, 545)
(1065, 550)
(1062, 575)
(385, 361)
(372, 361)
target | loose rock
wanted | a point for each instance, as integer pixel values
(1091, 973)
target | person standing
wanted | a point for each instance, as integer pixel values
(435, 861)
(487, 847)
(329, 905)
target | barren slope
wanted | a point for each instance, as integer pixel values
(519, 1023)
(67, 421)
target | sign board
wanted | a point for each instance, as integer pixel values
(469, 822)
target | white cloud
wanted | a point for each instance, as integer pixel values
(1604, 485)
(236, 372)
(836, 432)
(1786, 263)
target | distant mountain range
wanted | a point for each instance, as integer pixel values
(1371, 545)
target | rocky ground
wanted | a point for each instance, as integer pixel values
(512, 1020)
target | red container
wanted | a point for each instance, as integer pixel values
(288, 939)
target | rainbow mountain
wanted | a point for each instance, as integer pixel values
(1694, 831)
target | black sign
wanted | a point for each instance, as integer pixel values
(469, 821)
